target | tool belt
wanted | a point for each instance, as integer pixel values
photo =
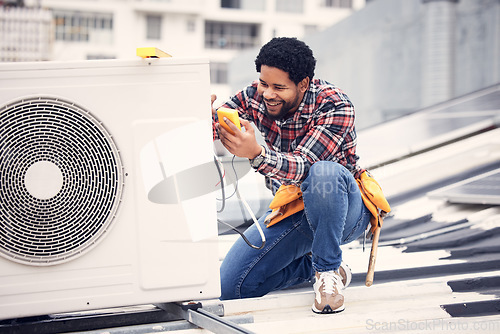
(288, 200)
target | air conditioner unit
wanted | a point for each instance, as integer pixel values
(95, 160)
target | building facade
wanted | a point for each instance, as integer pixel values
(25, 34)
(216, 29)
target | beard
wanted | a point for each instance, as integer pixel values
(286, 108)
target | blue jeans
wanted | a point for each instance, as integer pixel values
(334, 214)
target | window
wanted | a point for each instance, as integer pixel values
(259, 5)
(337, 3)
(230, 3)
(191, 25)
(153, 26)
(290, 6)
(83, 26)
(218, 73)
(230, 35)
(99, 56)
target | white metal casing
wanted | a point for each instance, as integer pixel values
(146, 254)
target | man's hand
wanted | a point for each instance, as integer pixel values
(213, 97)
(243, 143)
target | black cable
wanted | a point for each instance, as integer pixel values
(235, 178)
(243, 236)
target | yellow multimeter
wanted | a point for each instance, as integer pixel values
(231, 115)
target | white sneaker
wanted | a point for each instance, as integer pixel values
(328, 288)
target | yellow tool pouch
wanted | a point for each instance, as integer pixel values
(374, 199)
(286, 202)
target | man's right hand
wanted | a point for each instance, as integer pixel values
(242, 143)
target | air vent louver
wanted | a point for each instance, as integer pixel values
(61, 181)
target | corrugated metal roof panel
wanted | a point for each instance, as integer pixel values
(481, 189)
(430, 128)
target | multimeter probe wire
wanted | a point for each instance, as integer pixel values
(247, 207)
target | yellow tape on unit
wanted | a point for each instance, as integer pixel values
(151, 53)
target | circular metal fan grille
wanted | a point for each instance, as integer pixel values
(61, 181)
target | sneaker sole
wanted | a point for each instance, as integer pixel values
(328, 310)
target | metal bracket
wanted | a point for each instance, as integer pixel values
(195, 314)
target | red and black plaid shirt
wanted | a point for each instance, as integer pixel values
(321, 129)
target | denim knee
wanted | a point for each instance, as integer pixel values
(325, 169)
(327, 177)
(233, 286)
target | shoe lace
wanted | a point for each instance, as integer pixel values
(330, 280)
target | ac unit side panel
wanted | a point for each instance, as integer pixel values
(160, 229)
(120, 94)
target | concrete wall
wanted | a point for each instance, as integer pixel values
(376, 56)
(478, 45)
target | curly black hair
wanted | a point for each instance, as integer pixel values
(289, 55)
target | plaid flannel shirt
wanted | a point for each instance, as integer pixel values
(321, 129)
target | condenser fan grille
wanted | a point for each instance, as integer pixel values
(61, 181)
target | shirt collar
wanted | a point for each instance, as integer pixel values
(306, 107)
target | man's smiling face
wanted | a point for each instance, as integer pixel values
(281, 95)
